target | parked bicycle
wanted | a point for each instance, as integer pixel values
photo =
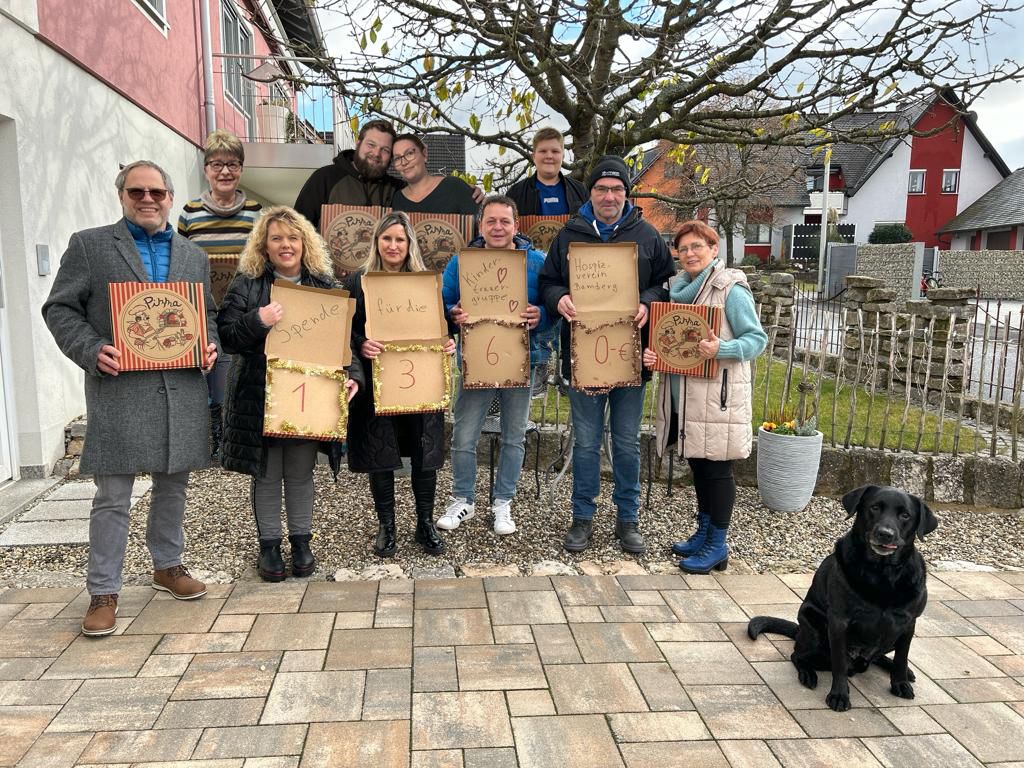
(929, 280)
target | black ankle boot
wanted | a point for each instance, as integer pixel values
(424, 485)
(216, 432)
(303, 562)
(271, 564)
(382, 487)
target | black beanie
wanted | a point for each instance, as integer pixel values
(609, 167)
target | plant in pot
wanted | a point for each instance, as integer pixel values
(272, 119)
(788, 455)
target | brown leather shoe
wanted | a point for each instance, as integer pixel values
(100, 618)
(177, 581)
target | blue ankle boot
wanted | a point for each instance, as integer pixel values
(714, 555)
(693, 544)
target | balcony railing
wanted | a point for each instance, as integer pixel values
(836, 201)
(258, 102)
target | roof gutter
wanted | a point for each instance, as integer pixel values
(209, 105)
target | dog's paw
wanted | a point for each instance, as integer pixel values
(838, 702)
(808, 677)
(911, 677)
(903, 689)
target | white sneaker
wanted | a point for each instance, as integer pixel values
(457, 512)
(503, 524)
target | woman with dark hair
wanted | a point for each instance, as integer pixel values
(423, 192)
(376, 444)
(710, 419)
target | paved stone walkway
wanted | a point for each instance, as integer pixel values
(569, 671)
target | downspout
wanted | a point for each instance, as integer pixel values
(209, 106)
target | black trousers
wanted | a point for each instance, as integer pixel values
(716, 489)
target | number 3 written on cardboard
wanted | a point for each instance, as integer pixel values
(408, 374)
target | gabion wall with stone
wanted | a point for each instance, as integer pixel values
(996, 274)
(774, 293)
(892, 263)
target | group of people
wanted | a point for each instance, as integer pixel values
(157, 421)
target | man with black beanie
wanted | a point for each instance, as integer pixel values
(608, 217)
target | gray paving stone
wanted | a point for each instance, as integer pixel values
(437, 758)
(336, 597)
(748, 753)
(130, 602)
(706, 754)
(314, 697)
(490, 758)
(782, 678)
(940, 621)
(39, 595)
(972, 608)
(211, 713)
(369, 649)
(463, 720)
(388, 694)
(813, 753)
(911, 721)
(743, 712)
(266, 598)
(758, 589)
(19, 727)
(450, 593)
(250, 741)
(589, 590)
(530, 703)
(393, 610)
(23, 669)
(643, 597)
(357, 745)
(114, 657)
(874, 684)
(228, 675)
(704, 605)
(288, 632)
(579, 741)
(137, 746)
(946, 657)
(214, 642)
(658, 583)
(434, 669)
(922, 752)
(599, 643)
(660, 687)
(992, 732)
(984, 689)
(454, 626)
(525, 608)
(637, 613)
(32, 534)
(594, 689)
(658, 726)
(499, 667)
(68, 509)
(517, 583)
(708, 663)
(164, 617)
(1008, 630)
(120, 704)
(512, 633)
(56, 750)
(856, 723)
(692, 632)
(979, 586)
(36, 692)
(556, 644)
(303, 661)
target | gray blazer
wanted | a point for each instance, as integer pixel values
(139, 421)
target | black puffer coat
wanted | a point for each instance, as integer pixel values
(373, 444)
(243, 447)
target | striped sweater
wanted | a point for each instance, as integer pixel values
(218, 231)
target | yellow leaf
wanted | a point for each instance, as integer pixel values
(799, 87)
(705, 176)
(354, 125)
(428, 63)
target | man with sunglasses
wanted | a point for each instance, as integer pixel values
(608, 217)
(141, 421)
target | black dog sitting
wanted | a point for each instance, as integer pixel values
(865, 597)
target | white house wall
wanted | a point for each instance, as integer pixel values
(63, 135)
(883, 196)
(977, 173)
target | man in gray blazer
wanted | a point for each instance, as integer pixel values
(138, 421)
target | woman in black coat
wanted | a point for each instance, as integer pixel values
(282, 246)
(376, 444)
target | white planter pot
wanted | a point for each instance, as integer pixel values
(272, 122)
(787, 469)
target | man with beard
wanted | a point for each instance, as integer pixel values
(356, 177)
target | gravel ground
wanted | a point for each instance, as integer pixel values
(221, 535)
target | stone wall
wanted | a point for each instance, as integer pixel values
(774, 293)
(893, 264)
(998, 274)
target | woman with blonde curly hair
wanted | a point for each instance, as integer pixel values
(377, 443)
(283, 246)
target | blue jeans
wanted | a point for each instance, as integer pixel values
(627, 405)
(470, 410)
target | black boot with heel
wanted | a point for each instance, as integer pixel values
(303, 562)
(382, 487)
(271, 564)
(424, 486)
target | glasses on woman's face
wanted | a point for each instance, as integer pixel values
(219, 166)
(405, 157)
(696, 249)
(138, 193)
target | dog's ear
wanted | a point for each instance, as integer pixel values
(926, 520)
(851, 500)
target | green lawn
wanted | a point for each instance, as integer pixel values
(866, 406)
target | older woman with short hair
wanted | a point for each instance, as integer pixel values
(219, 221)
(710, 419)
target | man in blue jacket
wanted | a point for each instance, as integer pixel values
(608, 217)
(498, 220)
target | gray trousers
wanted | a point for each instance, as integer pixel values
(108, 527)
(289, 462)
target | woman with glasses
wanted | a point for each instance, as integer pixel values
(709, 420)
(219, 221)
(425, 193)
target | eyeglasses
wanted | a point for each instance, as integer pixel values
(618, 190)
(218, 166)
(405, 157)
(137, 193)
(695, 249)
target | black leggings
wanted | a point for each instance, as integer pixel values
(424, 484)
(716, 489)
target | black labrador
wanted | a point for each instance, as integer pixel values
(865, 597)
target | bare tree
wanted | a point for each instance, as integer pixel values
(620, 73)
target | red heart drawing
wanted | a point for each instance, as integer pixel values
(513, 305)
(502, 271)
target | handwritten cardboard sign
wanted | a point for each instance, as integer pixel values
(605, 340)
(316, 325)
(495, 340)
(541, 229)
(440, 235)
(405, 313)
(222, 270)
(157, 326)
(348, 232)
(305, 401)
(677, 330)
